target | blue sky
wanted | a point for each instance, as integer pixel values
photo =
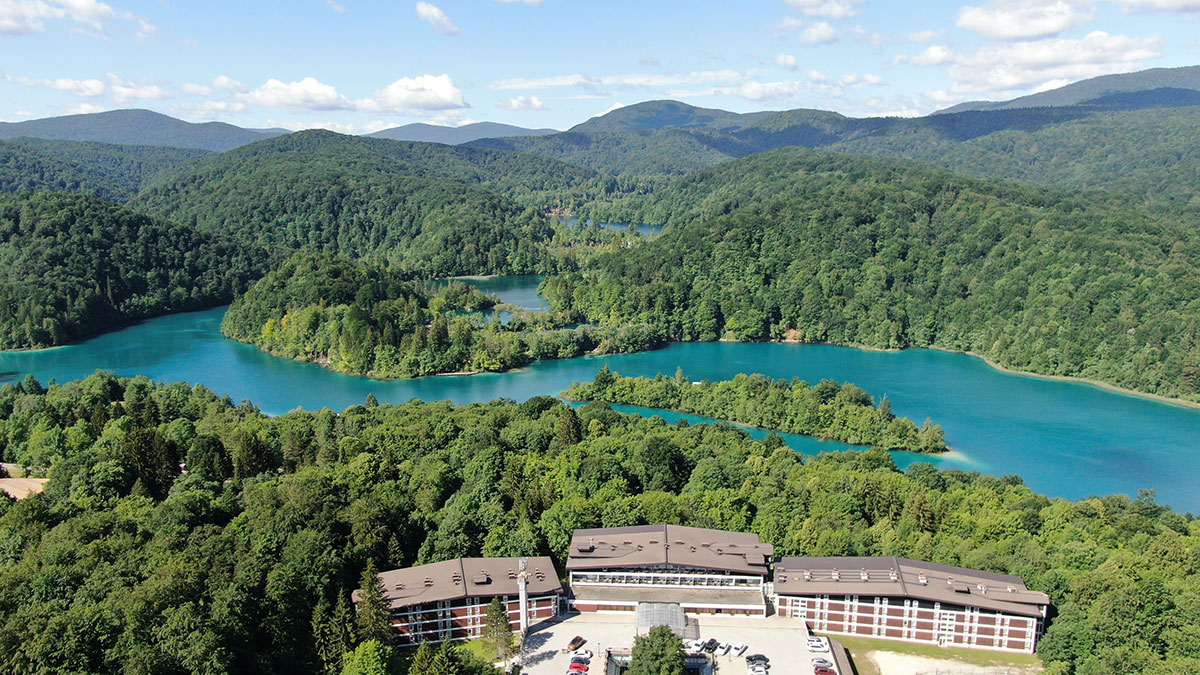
(361, 65)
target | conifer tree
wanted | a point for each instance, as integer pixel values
(422, 663)
(445, 661)
(497, 632)
(374, 617)
(569, 430)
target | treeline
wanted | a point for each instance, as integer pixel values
(72, 266)
(822, 247)
(243, 561)
(361, 317)
(829, 410)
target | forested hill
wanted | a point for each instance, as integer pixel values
(245, 563)
(137, 127)
(432, 210)
(1144, 152)
(821, 246)
(112, 172)
(72, 266)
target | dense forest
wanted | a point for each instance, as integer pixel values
(244, 562)
(72, 266)
(425, 208)
(817, 246)
(112, 172)
(829, 410)
(361, 317)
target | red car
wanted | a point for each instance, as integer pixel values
(578, 668)
(822, 670)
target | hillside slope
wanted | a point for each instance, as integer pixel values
(72, 266)
(821, 246)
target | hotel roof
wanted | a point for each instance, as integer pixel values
(675, 545)
(901, 577)
(465, 578)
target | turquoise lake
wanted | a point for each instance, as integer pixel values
(1065, 439)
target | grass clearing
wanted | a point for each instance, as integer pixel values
(860, 647)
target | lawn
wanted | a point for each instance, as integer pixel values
(859, 647)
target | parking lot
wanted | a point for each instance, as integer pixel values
(779, 639)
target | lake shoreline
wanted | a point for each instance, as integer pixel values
(1183, 403)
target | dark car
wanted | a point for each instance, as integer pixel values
(757, 658)
(580, 659)
(711, 645)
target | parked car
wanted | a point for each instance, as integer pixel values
(578, 668)
(711, 645)
(585, 661)
(739, 649)
(724, 648)
(757, 670)
(575, 643)
(583, 653)
(818, 645)
(694, 645)
(824, 663)
(757, 658)
(821, 670)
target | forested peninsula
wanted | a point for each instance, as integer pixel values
(364, 318)
(828, 410)
(244, 560)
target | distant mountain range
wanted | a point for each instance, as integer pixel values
(431, 133)
(1181, 84)
(138, 127)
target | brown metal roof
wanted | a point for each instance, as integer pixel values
(901, 577)
(463, 578)
(655, 545)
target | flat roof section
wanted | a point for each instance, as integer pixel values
(901, 577)
(465, 578)
(675, 545)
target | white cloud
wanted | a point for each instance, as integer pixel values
(627, 80)
(611, 108)
(522, 103)
(89, 87)
(124, 91)
(829, 9)
(437, 18)
(934, 55)
(1018, 66)
(228, 83)
(335, 6)
(193, 89)
(307, 94)
(786, 61)
(819, 33)
(425, 92)
(766, 91)
(787, 26)
(83, 109)
(817, 76)
(21, 17)
(210, 109)
(1021, 19)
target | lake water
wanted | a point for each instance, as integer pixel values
(1065, 439)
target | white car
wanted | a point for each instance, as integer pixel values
(724, 648)
(757, 670)
(818, 644)
(739, 649)
(584, 653)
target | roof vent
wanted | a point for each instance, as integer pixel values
(537, 572)
(399, 586)
(428, 582)
(481, 578)
(782, 578)
(862, 574)
(511, 574)
(640, 547)
(836, 576)
(922, 579)
(653, 541)
(807, 575)
(627, 542)
(892, 574)
(706, 544)
(585, 548)
(693, 549)
(679, 542)
(1011, 589)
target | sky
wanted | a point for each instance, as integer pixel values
(358, 66)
